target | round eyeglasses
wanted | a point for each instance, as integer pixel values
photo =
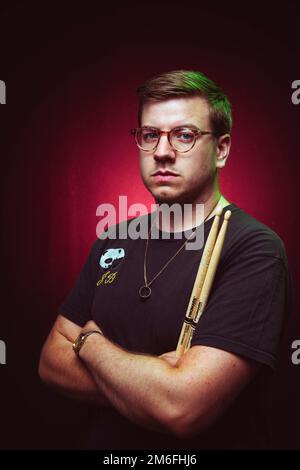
(181, 139)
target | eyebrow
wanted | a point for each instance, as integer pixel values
(186, 124)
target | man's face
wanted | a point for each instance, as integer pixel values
(195, 170)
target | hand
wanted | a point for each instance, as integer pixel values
(170, 358)
(90, 325)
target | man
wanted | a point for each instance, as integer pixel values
(126, 364)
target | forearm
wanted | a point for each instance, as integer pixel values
(63, 370)
(141, 387)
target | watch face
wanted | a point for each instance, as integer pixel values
(81, 340)
(78, 343)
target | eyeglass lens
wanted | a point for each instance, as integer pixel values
(180, 139)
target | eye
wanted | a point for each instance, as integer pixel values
(149, 135)
(184, 135)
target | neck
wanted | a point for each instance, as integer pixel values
(188, 216)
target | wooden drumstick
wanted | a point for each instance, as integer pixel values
(199, 280)
(209, 279)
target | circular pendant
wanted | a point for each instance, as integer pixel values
(145, 292)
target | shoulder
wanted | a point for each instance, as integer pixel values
(247, 234)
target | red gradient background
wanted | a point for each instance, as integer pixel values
(71, 75)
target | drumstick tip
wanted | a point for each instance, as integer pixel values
(227, 215)
(219, 210)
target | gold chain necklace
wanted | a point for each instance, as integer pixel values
(145, 290)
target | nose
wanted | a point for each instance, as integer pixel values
(164, 150)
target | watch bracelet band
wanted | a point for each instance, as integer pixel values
(81, 338)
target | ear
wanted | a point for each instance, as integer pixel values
(223, 147)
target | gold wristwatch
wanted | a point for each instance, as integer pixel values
(80, 340)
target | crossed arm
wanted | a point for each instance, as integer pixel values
(181, 397)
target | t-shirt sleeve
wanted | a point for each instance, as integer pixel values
(247, 307)
(77, 305)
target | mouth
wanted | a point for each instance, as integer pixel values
(164, 175)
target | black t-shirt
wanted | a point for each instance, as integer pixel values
(245, 315)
